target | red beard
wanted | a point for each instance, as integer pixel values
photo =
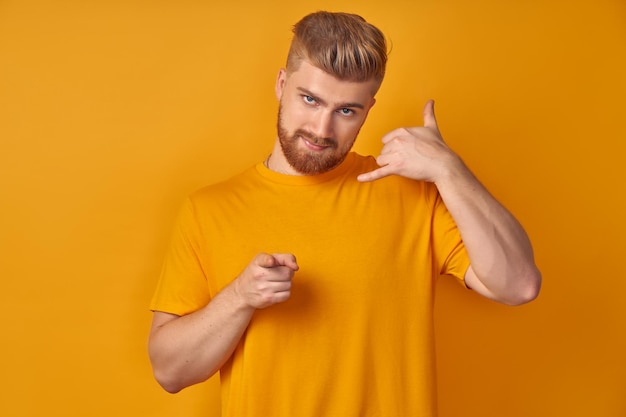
(310, 162)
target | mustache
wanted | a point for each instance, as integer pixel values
(316, 140)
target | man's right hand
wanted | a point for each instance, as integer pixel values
(267, 279)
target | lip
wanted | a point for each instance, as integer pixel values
(312, 146)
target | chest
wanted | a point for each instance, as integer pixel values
(341, 237)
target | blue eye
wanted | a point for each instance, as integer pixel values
(308, 99)
(346, 112)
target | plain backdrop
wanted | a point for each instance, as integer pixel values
(111, 112)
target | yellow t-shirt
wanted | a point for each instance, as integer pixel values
(356, 336)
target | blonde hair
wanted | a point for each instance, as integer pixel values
(342, 44)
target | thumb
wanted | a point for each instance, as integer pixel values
(286, 259)
(265, 260)
(429, 115)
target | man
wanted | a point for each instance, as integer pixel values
(308, 280)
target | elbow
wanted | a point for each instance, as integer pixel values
(167, 382)
(174, 378)
(173, 385)
(514, 288)
(170, 388)
(164, 373)
(527, 290)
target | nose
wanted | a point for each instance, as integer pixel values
(322, 125)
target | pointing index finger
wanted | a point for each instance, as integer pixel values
(286, 259)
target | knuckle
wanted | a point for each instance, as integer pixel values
(284, 296)
(258, 275)
(267, 298)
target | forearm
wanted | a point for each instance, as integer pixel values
(501, 255)
(189, 349)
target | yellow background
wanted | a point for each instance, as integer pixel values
(111, 112)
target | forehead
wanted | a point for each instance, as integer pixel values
(329, 88)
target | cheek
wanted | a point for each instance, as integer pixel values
(348, 130)
(291, 115)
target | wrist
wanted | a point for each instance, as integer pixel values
(451, 172)
(238, 296)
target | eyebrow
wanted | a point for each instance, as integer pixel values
(324, 103)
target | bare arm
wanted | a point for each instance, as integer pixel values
(185, 350)
(502, 262)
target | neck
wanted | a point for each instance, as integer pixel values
(277, 162)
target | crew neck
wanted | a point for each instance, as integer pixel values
(287, 179)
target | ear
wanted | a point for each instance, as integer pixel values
(280, 83)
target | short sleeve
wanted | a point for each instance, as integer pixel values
(182, 287)
(450, 255)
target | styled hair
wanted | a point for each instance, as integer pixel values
(341, 44)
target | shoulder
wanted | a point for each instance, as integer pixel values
(394, 183)
(362, 163)
(222, 188)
